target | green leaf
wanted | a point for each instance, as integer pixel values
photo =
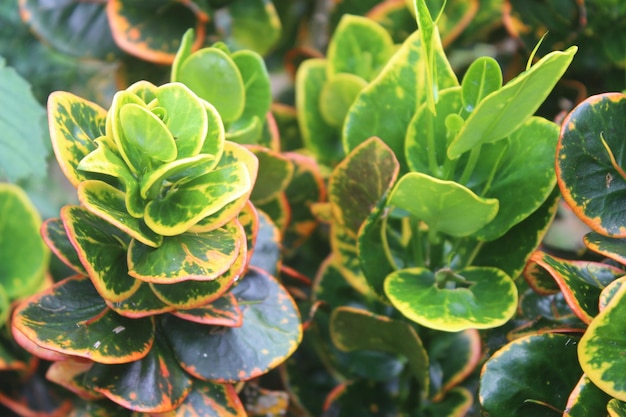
(152, 31)
(185, 118)
(475, 297)
(224, 89)
(337, 96)
(456, 403)
(616, 408)
(23, 255)
(108, 203)
(601, 347)
(210, 399)
(444, 206)
(75, 124)
(482, 78)
(359, 46)
(385, 107)
(197, 198)
(22, 147)
(74, 28)
(197, 256)
(153, 384)
(275, 173)
(610, 247)
(589, 162)
(224, 311)
(511, 252)
(71, 318)
(319, 137)
(452, 358)
(54, 235)
(248, 19)
(142, 303)
(270, 319)
(586, 400)
(580, 281)
(194, 293)
(500, 113)
(258, 93)
(103, 250)
(149, 142)
(363, 398)
(520, 191)
(359, 182)
(509, 383)
(356, 329)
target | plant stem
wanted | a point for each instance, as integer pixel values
(471, 164)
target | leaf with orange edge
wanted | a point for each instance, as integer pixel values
(225, 311)
(102, 250)
(141, 303)
(53, 233)
(74, 125)
(69, 374)
(226, 354)
(153, 384)
(586, 399)
(279, 211)
(580, 281)
(193, 293)
(232, 153)
(267, 252)
(539, 279)
(249, 218)
(305, 189)
(275, 174)
(210, 399)
(612, 248)
(590, 161)
(152, 31)
(71, 318)
(197, 256)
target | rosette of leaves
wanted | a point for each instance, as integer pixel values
(589, 165)
(465, 213)
(152, 318)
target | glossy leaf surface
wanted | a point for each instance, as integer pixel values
(270, 332)
(483, 298)
(72, 318)
(510, 386)
(586, 400)
(444, 206)
(590, 161)
(600, 348)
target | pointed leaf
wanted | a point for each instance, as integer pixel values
(74, 125)
(71, 318)
(489, 300)
(590, 161)
(153, 384)
(196, 256)
(444, 206)
(102, 250)
(506, 109)
(355, 329)
(270, 319)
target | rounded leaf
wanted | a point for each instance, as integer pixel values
(590, 161)
(483, 297)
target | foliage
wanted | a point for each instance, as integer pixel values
(399, 153)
